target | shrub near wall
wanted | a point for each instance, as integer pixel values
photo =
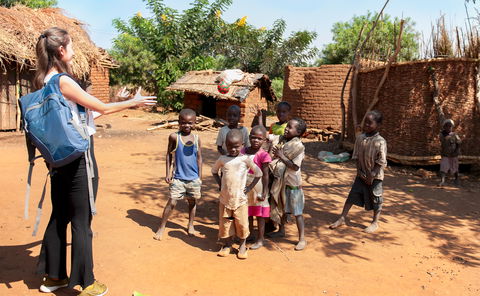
(411, 125)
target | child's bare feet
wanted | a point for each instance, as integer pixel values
(158, 235)
(191, 230)
(338, 223)
(242, 252)
(257, 245)
(224, 251)
(301, 245)
(371, 228)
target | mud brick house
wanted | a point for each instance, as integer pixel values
(201, 94)
(411, 123)
(314, 93)
(20, 28)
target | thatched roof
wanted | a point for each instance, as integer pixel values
(21, 26)
(203, 82)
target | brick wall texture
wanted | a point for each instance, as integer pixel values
(410, 123)
(100, 83)
(314, 93)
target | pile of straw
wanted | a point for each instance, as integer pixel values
(20, 28)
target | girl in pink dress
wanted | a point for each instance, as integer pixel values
(258, 205)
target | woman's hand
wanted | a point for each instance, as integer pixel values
(123, 93)
(138, 99)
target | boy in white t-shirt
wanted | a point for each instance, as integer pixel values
(233, 117)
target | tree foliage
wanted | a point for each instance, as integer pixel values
(153, 52)
(29, 3)
(380, 45)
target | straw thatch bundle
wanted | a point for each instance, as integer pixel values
(21, 26)
(203, 82)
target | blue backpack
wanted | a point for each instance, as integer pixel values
(47, 120)
(49, 127)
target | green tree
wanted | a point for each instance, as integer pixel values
(381, 44)
(267, 51)
(29, 3)
(154, 52)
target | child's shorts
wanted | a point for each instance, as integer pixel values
(256, 207)
(449, 164)
(180, 188)
(294, 200)
(368, 196)
(233, 222)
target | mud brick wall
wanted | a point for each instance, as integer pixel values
(194, 101)
(256, 97)
(314, 93)
(411, 125)
(100, 83)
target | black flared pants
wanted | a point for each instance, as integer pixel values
(70, 204)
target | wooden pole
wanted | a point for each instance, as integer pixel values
(17, 96)
(477, 92)
(356, 69)
(391, 59)
(342, 106)
(436, 102)
(342, 94)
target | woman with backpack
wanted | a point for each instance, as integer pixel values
(70, 190)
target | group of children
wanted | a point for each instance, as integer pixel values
(259, 175)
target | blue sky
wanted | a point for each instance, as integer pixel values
(313, 15)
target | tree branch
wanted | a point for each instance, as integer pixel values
(391, 59)
(356, 69)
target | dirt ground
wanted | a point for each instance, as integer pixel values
(428, 242)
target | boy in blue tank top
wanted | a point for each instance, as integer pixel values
(184, 160)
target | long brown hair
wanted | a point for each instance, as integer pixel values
(48, 54)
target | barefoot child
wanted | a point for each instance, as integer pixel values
(370, 151)
(276, 130)
(450, 150)
(233, 207)
(258, 205)
(185, 147)
(233, 117)
(286, 191)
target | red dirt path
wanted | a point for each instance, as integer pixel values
(428, 242)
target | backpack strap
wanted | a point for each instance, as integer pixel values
(90, 176)
(40, 205)
(31, 159)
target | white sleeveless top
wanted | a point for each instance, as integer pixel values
(75, 114)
